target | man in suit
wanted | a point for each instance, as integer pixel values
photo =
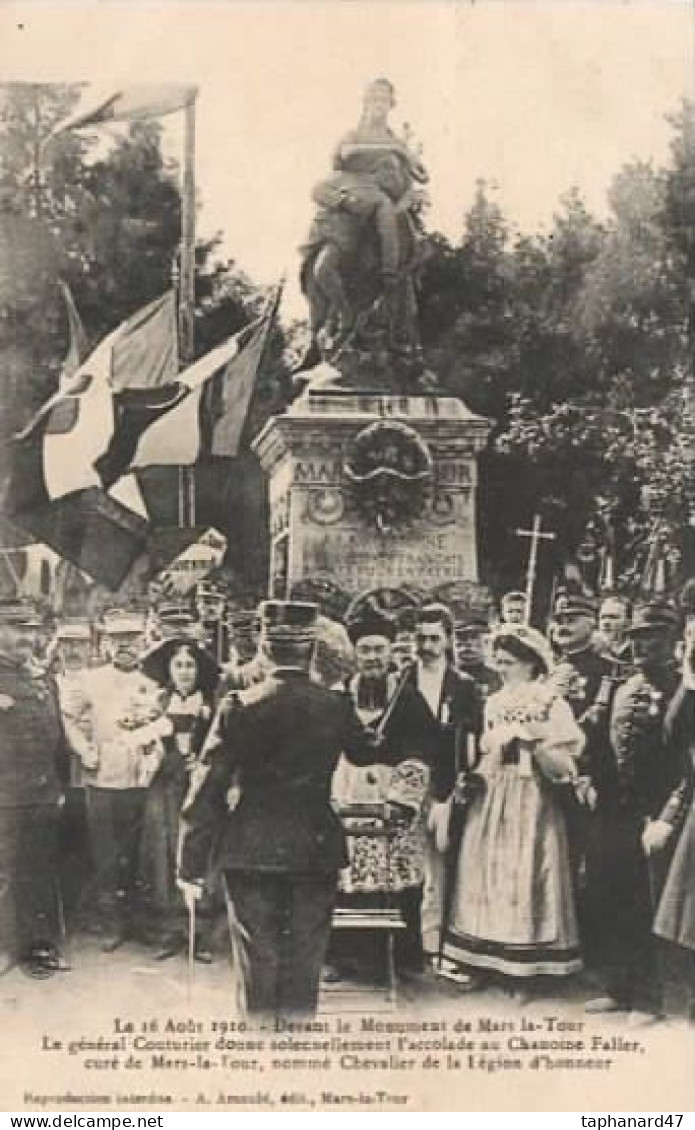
(32, 757)
(454, 706)
(282, 847)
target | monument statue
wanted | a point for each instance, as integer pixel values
(365, 245)
(372, 468)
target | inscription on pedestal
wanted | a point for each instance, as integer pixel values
(317, 525)
(359, 560)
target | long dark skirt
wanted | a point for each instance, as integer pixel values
(159, 848)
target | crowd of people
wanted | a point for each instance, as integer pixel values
(522, 800)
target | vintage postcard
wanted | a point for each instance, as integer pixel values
(347, 556)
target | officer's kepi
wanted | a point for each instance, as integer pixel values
(654, 617)
(574, 604)
(290, 621)
(122, 622)
(19, 613)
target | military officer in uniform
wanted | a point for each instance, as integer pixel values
(613, 622)
(31, 790)
(470, 635)
(120, 702)
(211, 606)
(282, 847)
(646, 771)
(587, 679)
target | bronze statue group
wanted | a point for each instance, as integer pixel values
(521, 802)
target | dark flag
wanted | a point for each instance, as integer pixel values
(52, 487)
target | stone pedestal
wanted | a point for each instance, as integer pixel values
(317, 530)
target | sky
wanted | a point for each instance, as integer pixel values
(534, 96)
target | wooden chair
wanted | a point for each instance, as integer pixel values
(367, 821)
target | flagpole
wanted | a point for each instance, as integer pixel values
(187, 500)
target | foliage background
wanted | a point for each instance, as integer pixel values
(576, 341)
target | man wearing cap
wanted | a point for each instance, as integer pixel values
(470, 634)
(282, 847)
(210, 606)
(645, 773)
(175, 618)
(31, 748)
(587, 681)
(611, 639)
(241, 675)
(120, 701)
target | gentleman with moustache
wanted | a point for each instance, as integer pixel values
(120, 702)
(587, 680)
(455, 716)
(470, 636)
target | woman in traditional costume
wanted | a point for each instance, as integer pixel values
(513, 906)
(187, 675)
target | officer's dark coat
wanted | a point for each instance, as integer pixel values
(31, 738)
(647, 769)
(591, 668)
(284, 742)
(32, 752)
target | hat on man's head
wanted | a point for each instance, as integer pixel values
(574, 604)
(293, 621)
(371, 622)
(122, 621)
(243, 619)
(472, 618)
(74, 629)
(20, 613)
(406, 621)
(174, 614)
(655, 616)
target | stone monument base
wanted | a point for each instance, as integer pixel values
(327, 524)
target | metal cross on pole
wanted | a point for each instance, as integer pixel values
(535, 534)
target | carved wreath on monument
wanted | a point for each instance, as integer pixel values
(388, 468)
